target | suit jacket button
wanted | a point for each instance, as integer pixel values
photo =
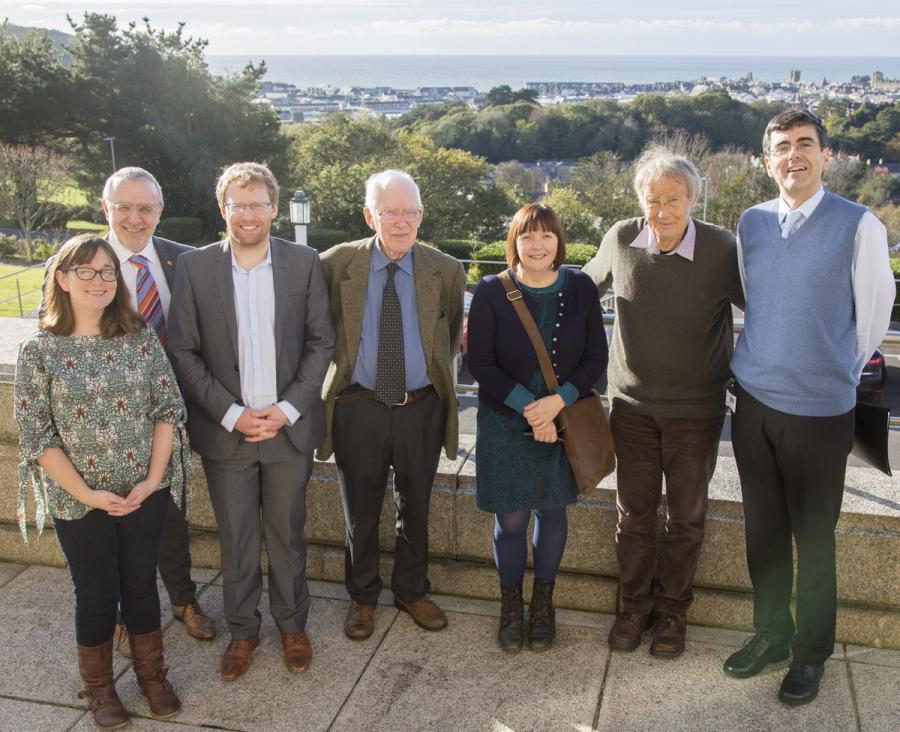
(236, 367)
(347, 377)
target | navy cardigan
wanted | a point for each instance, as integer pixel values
(501, 355)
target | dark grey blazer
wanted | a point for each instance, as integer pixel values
(203, 342)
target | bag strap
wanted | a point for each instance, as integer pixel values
(514, 295)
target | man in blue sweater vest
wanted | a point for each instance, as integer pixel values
(817, 281)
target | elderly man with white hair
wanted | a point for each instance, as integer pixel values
(675, 279)
(390, 399)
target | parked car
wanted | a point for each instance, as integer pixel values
(872, 379)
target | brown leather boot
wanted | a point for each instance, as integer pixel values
(95, 667)
(147, 657)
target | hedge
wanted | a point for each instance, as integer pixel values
(183, 229)
(321, 239)
(459, 248)
(576, 254)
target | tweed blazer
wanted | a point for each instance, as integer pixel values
(203, 342)
(440, 282)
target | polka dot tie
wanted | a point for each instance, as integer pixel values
(390, 377)
(147, 297)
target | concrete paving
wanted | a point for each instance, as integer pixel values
(403, 678)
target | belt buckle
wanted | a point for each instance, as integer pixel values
(405, 400)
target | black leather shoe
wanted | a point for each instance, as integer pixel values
(756, 654)
(800, 684)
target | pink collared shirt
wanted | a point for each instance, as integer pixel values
(646, 240)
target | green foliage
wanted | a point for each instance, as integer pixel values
(459, 248)
(43, 250)
(183, 229)
(872, 131)
(500, 95)
(580, 254)
(85, 227)
(496, 252)
(331, 163)
(576, 217)
(152, 91)
(890, 217)
(321, 239)
(9, 246)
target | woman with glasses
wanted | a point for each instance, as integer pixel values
(102, 439)
(520, 460)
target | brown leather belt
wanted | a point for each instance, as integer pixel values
(355, 393)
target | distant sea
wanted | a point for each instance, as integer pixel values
(485, 72)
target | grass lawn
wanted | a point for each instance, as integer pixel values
(29, 284)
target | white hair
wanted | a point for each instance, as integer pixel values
(658, 162)
(378, 183)
(112, 183)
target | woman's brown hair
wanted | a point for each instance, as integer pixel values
(119, 317)
(535, 217)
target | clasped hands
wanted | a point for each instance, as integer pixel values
(260, 424)
(540, 415)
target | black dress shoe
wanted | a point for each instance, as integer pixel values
(801, 684)
(756, 654)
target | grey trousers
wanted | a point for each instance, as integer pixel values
(260, 494)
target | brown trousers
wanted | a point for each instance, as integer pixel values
(685, 452)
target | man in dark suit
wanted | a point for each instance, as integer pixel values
(250, 341)
(390, 395)
(133, 203)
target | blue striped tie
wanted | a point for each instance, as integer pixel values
(148, 302)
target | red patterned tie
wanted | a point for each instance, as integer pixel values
(148, 302)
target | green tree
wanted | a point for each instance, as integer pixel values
(603, 184)
(152, 91)
(29, 179)
(577, 219)
(519, 181)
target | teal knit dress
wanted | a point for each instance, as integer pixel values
(514, 472)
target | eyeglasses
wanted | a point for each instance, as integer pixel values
(125, 209)
(252, 207)
(395, 214)
(107, 274)
(783, 149)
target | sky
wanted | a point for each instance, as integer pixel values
(529, 27)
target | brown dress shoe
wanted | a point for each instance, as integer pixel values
(425, 612)
(150, 669)
(297, 651)
(120, 641)
(668, 635)
(360, 621)
(625, 634)
(196, 622)
(236, 659)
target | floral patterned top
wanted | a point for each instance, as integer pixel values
(98, 399)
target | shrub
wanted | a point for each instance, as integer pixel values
(9, 246)
(43, 250)
(321, 239)
(495, 252)
(183, 229)
(459, 248)
(79, 226)
(576, 254)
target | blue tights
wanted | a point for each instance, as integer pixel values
(551, 528)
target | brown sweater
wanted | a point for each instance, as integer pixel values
(673, 336)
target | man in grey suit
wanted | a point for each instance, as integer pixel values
(133, 203)
(250, 340)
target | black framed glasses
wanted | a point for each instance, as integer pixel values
(107, 274)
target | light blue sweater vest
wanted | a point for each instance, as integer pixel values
(797, 352)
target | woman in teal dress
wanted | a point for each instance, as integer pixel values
(520, 460)
(101, 441)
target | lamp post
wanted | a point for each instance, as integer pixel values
(300, 216)
(705, 194)
(112, 150)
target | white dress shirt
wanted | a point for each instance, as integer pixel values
(254, 305)
(129, 271)
(870, 272)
